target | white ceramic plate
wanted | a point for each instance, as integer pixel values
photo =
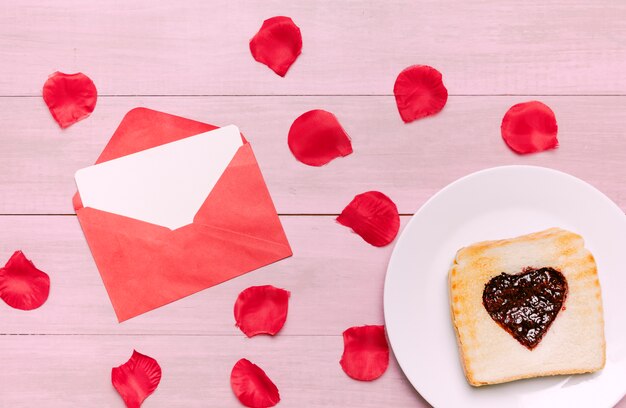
(497, 203)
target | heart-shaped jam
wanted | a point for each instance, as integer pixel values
(526, 304)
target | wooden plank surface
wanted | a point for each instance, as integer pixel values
(335, 284)
(349, 47)
(408, 162)
(75, 371)
(191, 58)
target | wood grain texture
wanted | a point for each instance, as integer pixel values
(75, 371)
(350, 47)
(408, 162)
(335, 279)
(144, 53)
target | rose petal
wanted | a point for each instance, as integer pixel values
(373, 216)
(22, 285)
(529, 127)
(136, 379)
(277, 44)
(252, 386)
(70, 97)
(365, 352)
(419, 92)
(316, 138)
(261, 310)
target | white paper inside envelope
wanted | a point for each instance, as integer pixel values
(165, 185)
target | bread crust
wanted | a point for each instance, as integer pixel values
(477, 333)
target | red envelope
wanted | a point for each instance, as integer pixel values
(235, 231)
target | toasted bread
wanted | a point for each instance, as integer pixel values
(574, 341)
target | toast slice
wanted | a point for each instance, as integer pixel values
(502, 345)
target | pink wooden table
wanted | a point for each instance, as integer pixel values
(191, 58)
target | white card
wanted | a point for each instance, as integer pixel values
(165, 185)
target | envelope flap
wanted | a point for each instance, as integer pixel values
(143, 128)
(241, 202)
(145, 266)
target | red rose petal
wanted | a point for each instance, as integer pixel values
(252, 386)
(419, 92)
(70, 97)
(365, 352)
(529, 127)
(22, 285)
(261, 310)
(277, 44)
(373, 216)
(316, 138)
(136, 379)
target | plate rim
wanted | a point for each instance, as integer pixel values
(428, 203)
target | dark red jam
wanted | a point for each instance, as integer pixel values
(526, 304)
